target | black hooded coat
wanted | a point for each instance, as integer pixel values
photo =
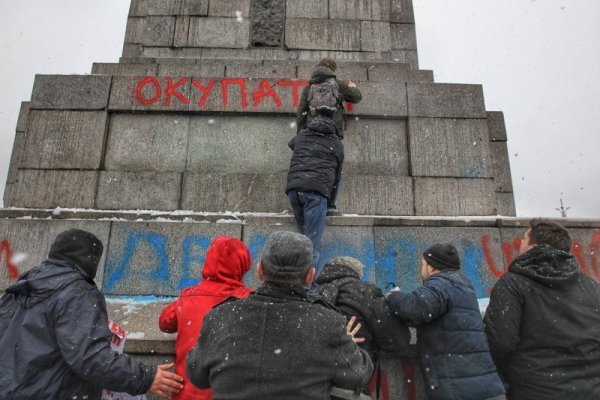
(54, 336)
(543, 326)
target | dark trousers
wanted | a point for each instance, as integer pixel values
(310, 210)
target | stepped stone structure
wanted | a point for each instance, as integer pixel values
(185, 138)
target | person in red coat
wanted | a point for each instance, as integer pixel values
(227, 260)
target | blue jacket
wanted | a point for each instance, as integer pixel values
(453, 348)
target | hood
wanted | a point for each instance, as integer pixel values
(80, 248)
(320, 74)
(227, 260)
(329, 282)
(333, 272)
(323, 125)
(43, 281)
(546, 265)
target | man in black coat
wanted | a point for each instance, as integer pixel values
(543, 321)
(318, 155)
(276, 344)
(54, 335)
(453, 349)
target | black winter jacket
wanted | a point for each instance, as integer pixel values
(317, 159)
(543, 325)
(348, 94)
(384, 333)
(276, 345)
(453, 348)
(55, 341)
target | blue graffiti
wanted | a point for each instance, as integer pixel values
(187, 247)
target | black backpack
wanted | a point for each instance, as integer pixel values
(324, 96)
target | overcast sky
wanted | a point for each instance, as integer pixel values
(538, 62)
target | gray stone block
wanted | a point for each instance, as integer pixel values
(402, 11)
(267, 22)
(219, 32)
(134, 32)
(159, 31)
(139, 319)
(506, 204)
(501, 163)
(375, 36)
(238, 144)
(158, 258)
(354, 73)
(376, 195)
(23, 119)
(403, 36)
(234, 192)
(65, 140)
(453, 197)
(406, 56)
(249, 54)
(375, 147)
(332, 34)
(399, 73)
(142, 8)
(149, 93)
(138, 142)
(54, 188)
(496, 126)
(365, 10)
(29, 241)
(445, 100)
(306, 9)
(206, 69)
(71, 92)
(248, 70)
(182, 31)
(345, 56)
(449, 148)
(382, 98)
(230, 8)
(138, 190)
(132, 50)
(130, 69)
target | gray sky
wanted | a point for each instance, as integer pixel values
(538, 62)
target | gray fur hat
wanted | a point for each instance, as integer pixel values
(287, 252)
(349, 262)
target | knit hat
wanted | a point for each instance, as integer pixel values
(80, 248)
(287, 252)
(349, 262)
(442, 256)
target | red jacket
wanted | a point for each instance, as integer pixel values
(227, 260)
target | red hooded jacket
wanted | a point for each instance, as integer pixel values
(227, 260)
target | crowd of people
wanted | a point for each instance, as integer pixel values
(306, 333)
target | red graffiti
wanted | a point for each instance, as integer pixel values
(593, 269)
(485, 245)
(265, 90)
(295, 85)
(140, 88)
(13, 271)
(172, 91)
(204, 89)
(237, 81)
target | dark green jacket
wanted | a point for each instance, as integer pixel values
(347, 94)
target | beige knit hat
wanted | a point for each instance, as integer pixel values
(349, 262)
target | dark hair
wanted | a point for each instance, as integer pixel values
(288, 277)
(329, 63)
(551, 233)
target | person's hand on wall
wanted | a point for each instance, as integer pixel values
(165, 382)
(351, 330)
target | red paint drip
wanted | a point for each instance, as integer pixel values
(13, 271)
(485, 244)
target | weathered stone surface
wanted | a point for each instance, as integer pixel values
(403, 36)
(399, 73)
(345, 56)
(251, 144)
(138, 142)
(445, 100)
(506, 204)
(134, 32)
(322, 34)
(132, 51)
(12, 177)
(501, 163)
(355, 73)
(23, 119)
(260, 71)
(219, 32)
(206, 69)
(230, 8)
(452, 197)
(54, 188)
(234, 192)
(65, 140)
(449, 147)
(159, 31)
(375, 147)
(306, 9)
(260, 53)
(138, 190)
(268, 20)
(159, 258)
(382, 98)
(182, 31)
(70, 92)
(142, 8)
(130, 69)
(139, 318)
(406, 56)
(375, 36)
(402, 11)
(30, 241)
(365, 10)
(376, 195)
(149, 93)
(496, 126)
